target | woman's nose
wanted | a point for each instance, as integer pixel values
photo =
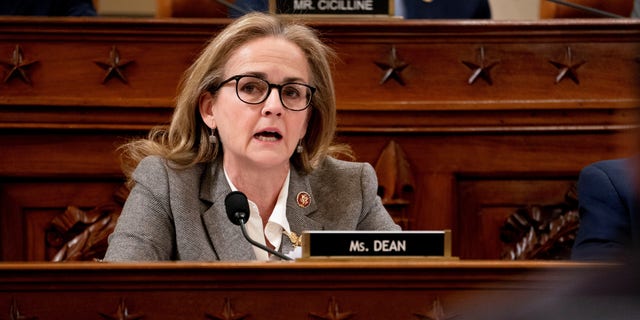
(273, 105)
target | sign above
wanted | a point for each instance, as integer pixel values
(332, 7)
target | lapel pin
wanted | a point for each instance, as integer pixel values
(296, 240)
(303, 199)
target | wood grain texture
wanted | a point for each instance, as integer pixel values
(393, 289)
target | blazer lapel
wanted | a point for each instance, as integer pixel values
(225, 237)
(297, 212)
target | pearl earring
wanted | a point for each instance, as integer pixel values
(212, 137)
(299, 148)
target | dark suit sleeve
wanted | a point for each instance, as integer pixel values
(79, 8)
(145, 229)
(604, 232)
(248, 6)
(374, 216)
(483, 11)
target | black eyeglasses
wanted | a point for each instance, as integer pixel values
(253, 90)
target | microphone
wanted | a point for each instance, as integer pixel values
(237, 207)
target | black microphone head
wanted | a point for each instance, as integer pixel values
(237, 207)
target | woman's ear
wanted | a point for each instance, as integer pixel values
(206, 104)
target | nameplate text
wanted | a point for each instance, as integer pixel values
(376, 243)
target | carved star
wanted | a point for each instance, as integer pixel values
(436, 312)
(393, 68)
(17, 66)
(114, 67)
(332, 312)
(227, 313)
(14, 313)
(481, 69)
(122, 313)
(568, 69)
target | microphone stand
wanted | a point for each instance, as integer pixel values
(260, 245)
(587, 9)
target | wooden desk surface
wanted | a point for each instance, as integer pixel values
(394, 289)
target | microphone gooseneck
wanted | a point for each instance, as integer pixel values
(237, 207)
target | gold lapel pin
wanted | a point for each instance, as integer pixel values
(303, 199)
(295, 239)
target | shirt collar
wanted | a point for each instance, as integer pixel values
(277, 220)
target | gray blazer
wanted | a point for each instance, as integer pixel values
(174, 214)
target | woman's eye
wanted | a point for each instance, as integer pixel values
(248, 88)
(252, 88)
(291, 92)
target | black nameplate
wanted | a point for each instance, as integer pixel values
(332, 7)
(376, 243)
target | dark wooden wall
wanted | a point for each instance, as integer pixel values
(476, 151)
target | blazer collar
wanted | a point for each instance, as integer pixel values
(299, 215)
(226, 237)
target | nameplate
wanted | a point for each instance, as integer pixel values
(376, 244)
(333, 7)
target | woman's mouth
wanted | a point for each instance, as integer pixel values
(268, 136)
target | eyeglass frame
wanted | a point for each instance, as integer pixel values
(269, 89)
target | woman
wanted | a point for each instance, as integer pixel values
(232, 131)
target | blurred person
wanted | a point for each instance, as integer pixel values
(608, 206)
(47, 8)
(449, 9)
(241, 7)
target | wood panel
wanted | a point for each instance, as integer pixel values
(476, 150)
(484, 207)
(29, 207)
(475, 175)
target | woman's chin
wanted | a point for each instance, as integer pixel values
(268, 160)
